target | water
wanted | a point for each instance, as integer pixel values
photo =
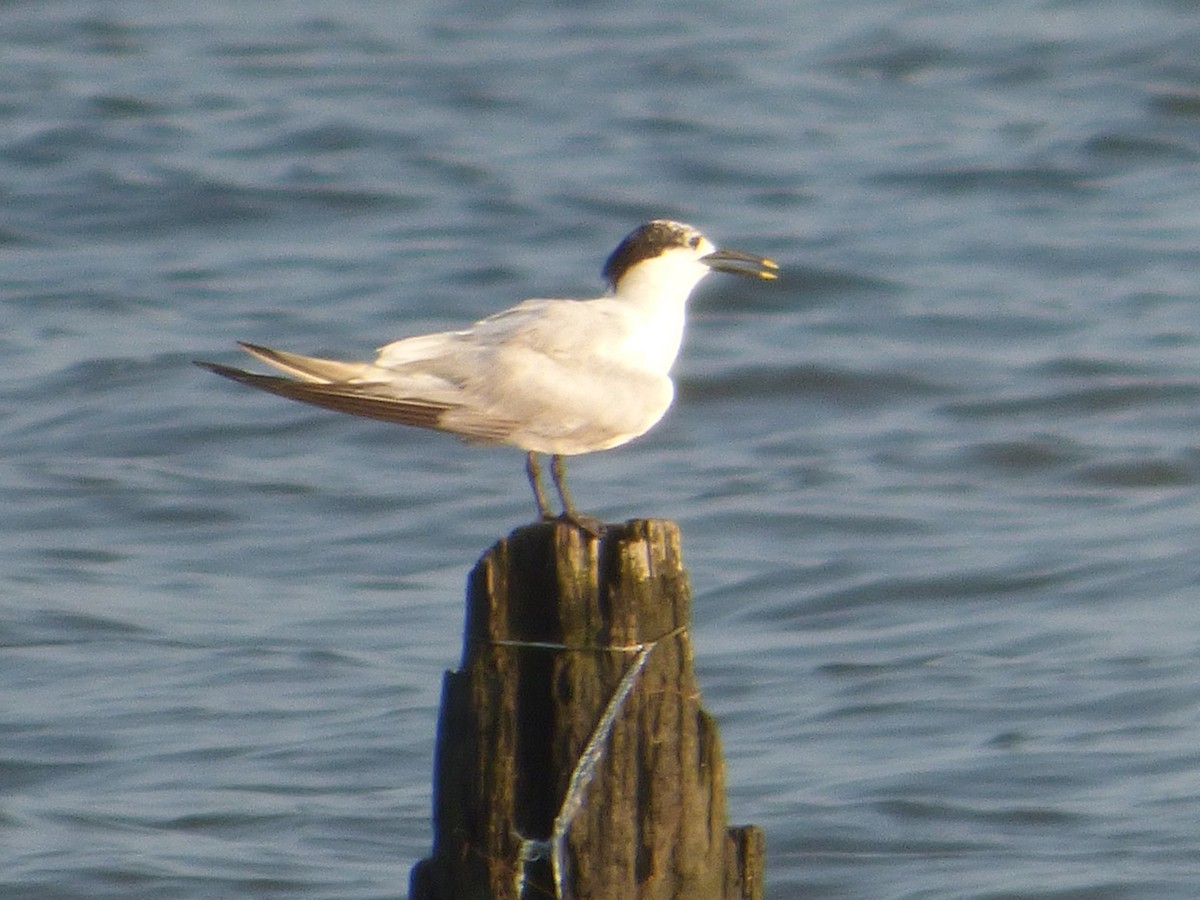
(937, 486)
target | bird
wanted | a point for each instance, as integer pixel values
(557, 377)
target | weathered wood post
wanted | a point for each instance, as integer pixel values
(573, 757)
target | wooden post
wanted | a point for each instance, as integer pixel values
(573, 758)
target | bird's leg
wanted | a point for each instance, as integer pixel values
(535, 481)
(558, 471)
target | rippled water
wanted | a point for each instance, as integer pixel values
(937, 486)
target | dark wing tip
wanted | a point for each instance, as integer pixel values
(227, 371)
(254, 348)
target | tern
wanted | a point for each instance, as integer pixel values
(552, 376)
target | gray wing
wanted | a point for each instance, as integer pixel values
(372, 402)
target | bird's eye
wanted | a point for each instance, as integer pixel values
(694, 243)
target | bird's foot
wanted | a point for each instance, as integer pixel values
(590, 524)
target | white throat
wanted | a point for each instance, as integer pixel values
(657, 291)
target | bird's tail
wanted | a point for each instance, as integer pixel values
(312, 369)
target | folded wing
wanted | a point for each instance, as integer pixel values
(371, 400)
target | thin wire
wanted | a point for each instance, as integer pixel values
(585, 767)
(585, 648)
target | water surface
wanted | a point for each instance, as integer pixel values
(937, 485)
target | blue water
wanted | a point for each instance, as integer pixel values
(938, 485)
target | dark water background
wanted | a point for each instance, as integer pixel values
(938, 486)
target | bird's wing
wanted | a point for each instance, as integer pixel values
(371, 401)
(417, 349)
(453, 354)
(571, 330)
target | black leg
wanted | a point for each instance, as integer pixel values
(535, 481)
(589, 524)
(558, 471)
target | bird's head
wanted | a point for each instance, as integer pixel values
(663, 254)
